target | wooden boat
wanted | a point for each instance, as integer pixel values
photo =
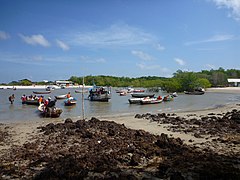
(70, 101)
(135, 100)
(31, 102)
(142, 95)
(194, 92)
(52, 112)
(151, 100)
(41, 92)
(99, 94)
(64, 96)
(80, 91)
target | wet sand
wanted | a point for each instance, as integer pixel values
(222, 141)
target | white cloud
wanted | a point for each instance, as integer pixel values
(142, 55)
(147, 67)
(210, 66)
(62, 45)
(215, 38)
(232, 5)
(119, 34)
(157, 67)
(87, 59)
(4, 35)
(180, 61)
(160, 47)
(35, 40)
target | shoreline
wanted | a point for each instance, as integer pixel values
(20, 131)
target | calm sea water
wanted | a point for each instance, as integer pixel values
(17, 112)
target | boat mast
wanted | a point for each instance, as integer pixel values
(83, 98)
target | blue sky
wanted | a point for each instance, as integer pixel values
(54, 40)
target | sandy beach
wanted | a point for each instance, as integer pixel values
(223, 140)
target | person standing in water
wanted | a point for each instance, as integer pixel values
(11, 98)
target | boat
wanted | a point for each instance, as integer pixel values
(64, 96)
(168, 98)
(99, 94)
(153, 100)
(135, 100)
(81, 91)
(49, 88)
(174, 94)
(194, 92)
(142, 95)
(52, 112)
(41, 92)
(31, 102)
(123, 93)
(70, 101)
(138, 90)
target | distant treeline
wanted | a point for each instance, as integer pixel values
(181, 80)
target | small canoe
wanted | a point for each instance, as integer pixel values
(80, 91)
(41, 92)
(52, 112)
(70, 101)
(31, 102)
(64, 96)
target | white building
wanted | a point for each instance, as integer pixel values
(234, 82)
(64, 83)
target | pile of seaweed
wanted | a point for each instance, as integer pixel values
(97, 149)
(225, 126)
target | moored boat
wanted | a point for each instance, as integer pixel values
(135, 100)
(153, 100)
(64, 96)
(142, 95)
(194, 92)
(81, 91)
(41, 92)
(101, 94)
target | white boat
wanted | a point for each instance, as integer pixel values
(151, 100)
(64, 96)
(135, 100)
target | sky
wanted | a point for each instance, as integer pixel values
(54, 40)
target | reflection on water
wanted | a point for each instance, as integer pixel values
(117, 105)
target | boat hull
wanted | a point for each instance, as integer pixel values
(41, 92)
(142, 95)
(31, 102)
(51, 112)
(195, 93)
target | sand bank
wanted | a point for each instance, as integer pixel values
(224, 90)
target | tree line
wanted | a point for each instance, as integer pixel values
(181, 80)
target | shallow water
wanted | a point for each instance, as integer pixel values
(17, 112)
